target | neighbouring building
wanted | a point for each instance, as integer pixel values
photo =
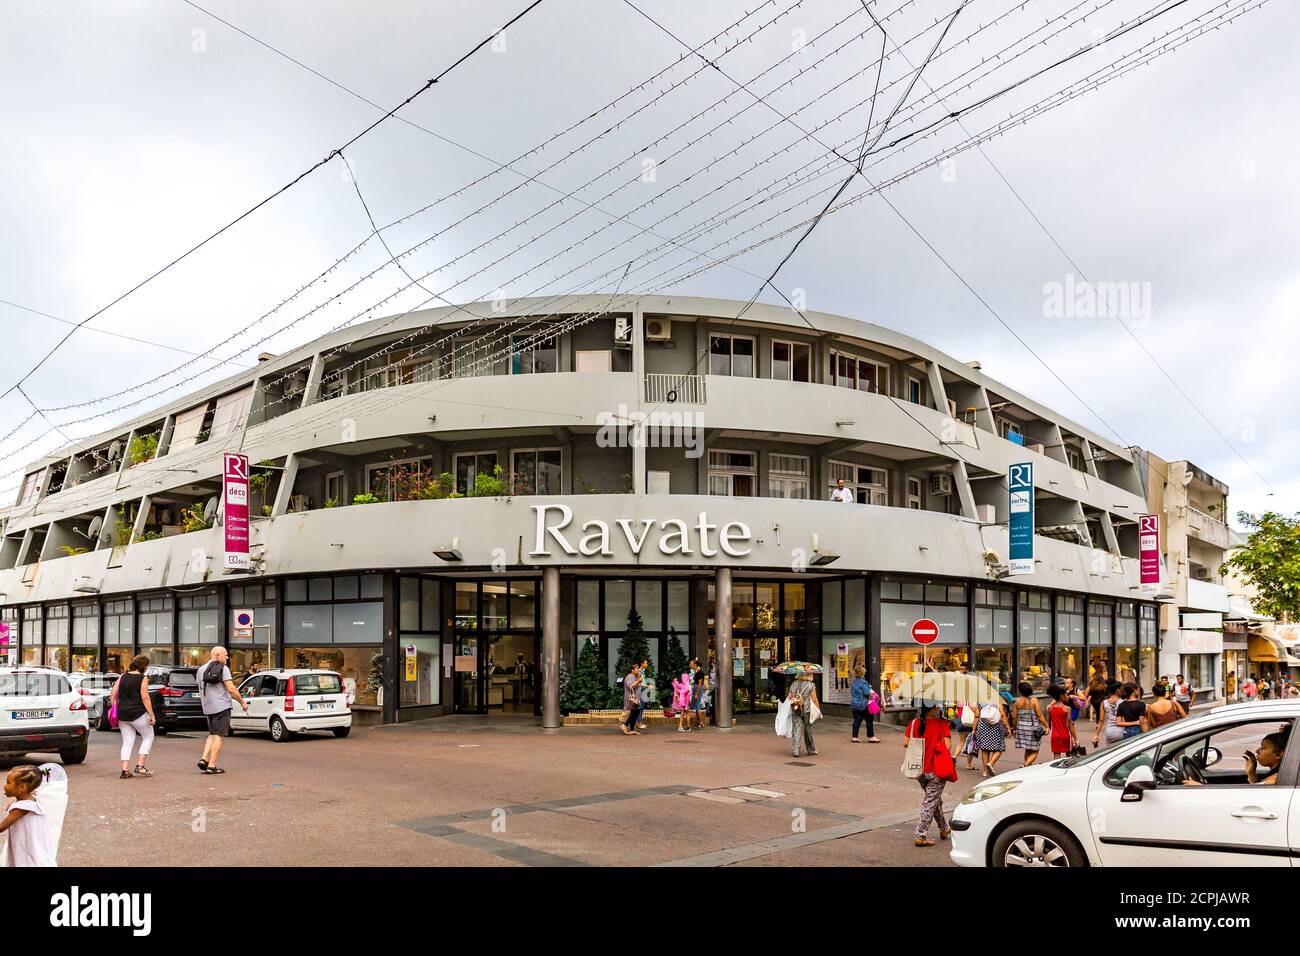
(447, 504)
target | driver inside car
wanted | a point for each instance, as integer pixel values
(1271, 751)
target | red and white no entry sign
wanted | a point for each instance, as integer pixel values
(925, 631)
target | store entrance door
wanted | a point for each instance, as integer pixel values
(469, 694)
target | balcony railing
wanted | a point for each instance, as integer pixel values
(671, 387)
(1208, 528)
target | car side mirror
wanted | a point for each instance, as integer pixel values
(1212, 756)
(1139, 781)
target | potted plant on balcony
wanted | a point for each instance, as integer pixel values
(143, 448)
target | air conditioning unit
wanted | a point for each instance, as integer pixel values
(659, 330)
(622, 330)
(1201, 574)
(941, 484)
(300, 503)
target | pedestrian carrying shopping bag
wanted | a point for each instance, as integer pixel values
(814, 712)
(873, 704)
(783, 719)
(913, 758)
(968, 716)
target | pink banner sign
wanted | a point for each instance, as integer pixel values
(234, 492)
(1149, 551)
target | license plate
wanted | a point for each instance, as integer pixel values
(325, 705)
(31, 714)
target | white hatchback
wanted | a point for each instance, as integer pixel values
(284, 702)
(1179, 795)
(41, 713)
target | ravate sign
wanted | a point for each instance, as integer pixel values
(670, 536)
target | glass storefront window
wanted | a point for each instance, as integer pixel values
(424, 684)
(31, 655)
(242, 660)
(1126, 667)
(766, 606)
(1098, 664)
(649, 604)
(742, 607)
(1147, 667)
(832, 598)
(117, 658)
(794, 598)
(523, 604)
(157, 654)
(898, 663)
(85, 659)
(995, 666)
(495, 610)
(618, 602)
(1036, 666)
(1199, 671)
(467, 604)
(1070, 663)
(354, 664)
(56, 657)
(588, 605)
(840, 655)
(679, 605)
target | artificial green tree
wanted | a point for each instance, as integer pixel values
(675, 664)
(633, 649)
(588, 688)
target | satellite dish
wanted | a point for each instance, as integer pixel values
(92, 531)
(115, 451)
(210, 509)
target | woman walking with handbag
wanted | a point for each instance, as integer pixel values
(802, 699)
(130, 699)
(861, 696)
(937, 768)
(1108, 728)
(991, 732)
(1030, 724)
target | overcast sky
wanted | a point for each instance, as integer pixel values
(132, 130)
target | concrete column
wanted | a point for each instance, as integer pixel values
(165, 436)
(937, 390)
(312, 391)
(961, 478)
(723, 651)
(638, 369)
(284, 492)
(551, 647)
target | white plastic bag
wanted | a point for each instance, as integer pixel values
(814, 712)
(783, 728)
(968, 717)
(914, 758)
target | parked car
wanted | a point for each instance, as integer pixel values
(1178, 795)
(97, 689)
(41, 713)
(174, 693)
(284, 702)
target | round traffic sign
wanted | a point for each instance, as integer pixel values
(925, 631)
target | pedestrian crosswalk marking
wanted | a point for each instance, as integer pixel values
(757, 792)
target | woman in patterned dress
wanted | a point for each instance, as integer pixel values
(1107, 728)
(1030, 723)
(991, 735)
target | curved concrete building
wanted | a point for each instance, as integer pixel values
(444, 504)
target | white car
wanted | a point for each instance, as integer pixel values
(97, 689)
(284, 702)
(1178, 795)
(41, 713)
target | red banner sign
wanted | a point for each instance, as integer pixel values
(1149, 552)
(234, 493)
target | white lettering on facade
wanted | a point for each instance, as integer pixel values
(679, 532)
(595, 541)
(543, 529)
(726, 540)
(674, 535)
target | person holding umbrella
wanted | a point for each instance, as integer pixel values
(804, 706)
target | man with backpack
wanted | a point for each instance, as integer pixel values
(217, 691)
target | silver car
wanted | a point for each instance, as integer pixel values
(95, 688)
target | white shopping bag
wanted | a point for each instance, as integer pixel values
(814, 712)
(783, 719)
(913, 758)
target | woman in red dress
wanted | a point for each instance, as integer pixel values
(1064, 738)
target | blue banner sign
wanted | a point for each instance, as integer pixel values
(1020, 488)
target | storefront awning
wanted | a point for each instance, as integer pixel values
(1264, 650)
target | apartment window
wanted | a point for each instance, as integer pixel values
(593, 360)
(848, 371)
(397, 480)
(536, 471)
(31, 485)
(1010, 431)
(914, 392)
(733, 474)
(186, 428)
(469, 465)
(731, 355)
(787, 476)
(870, 486)
(791, 362)
(1074, 459)
(336, 488)
(399, 367)
(529, 355)
(914, 494)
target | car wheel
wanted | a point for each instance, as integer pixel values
(73, 754)
(342, 731)
(279, 732)
(160, 729)
(1037, 843)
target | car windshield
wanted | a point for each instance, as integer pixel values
(182, 679)
(35, 684)
(317, 684)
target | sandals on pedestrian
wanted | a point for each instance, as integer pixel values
(873, 740)
(945, 833)
(924, 841)
(203, 765)
(856, 740)
(143, 772)
(125, 775)
(212, 769)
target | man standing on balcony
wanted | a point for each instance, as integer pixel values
(841, 492)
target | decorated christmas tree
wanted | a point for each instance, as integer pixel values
(675, 664)
(633, 649)
(588, 689)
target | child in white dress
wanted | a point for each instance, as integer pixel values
(31, 840)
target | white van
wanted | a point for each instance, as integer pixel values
(284, 702)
